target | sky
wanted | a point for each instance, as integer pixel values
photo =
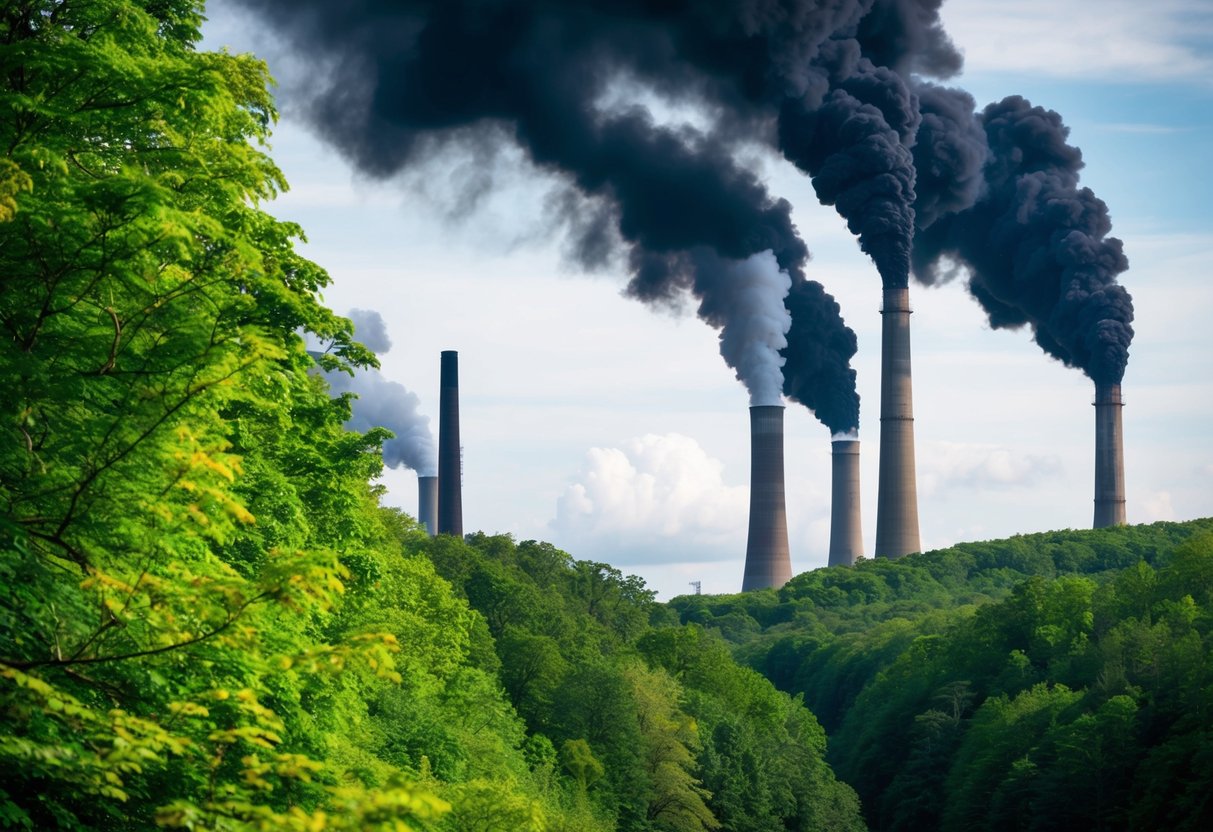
(619, 434)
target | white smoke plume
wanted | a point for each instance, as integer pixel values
(747, 301)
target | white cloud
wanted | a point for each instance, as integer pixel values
(658, 499)
(954, 466)
(1157, 506)
(1164, 40)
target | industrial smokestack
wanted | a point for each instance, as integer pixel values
(1109, 457)
(450, 455)
(846, 533)
(897, 495)
(427, 503)
(767, 561)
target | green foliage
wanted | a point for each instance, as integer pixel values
(657, 727)
(1053, 681)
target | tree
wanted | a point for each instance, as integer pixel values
(154, 629)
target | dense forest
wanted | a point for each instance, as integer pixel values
(1050, 681)
(209, 621)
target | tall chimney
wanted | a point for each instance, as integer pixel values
(1109, 457)
(427, 503)
(846, 533)
(450, 462)
(897, 495)
(767, 561)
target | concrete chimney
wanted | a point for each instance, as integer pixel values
(1109, 457)
(767, 561)
(450, 454)
(846, 532)
(897, 495)
(427, 503)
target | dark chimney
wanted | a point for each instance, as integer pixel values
(846, 533)
(897, 494)
(1109, 457)
(450, 462)
(767, 561)
(427, 503)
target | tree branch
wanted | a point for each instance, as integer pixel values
(151, 651)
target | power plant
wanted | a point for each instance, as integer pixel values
(846, 530)
(1109, 457)
(450, 455)
(427, 503)
(897, 492)
(768, 563)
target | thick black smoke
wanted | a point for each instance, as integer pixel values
(1037, 244)
(950, 153)
(825, 82)
(402, 76)
(817, 378)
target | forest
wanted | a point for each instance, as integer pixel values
(209, 621)
(1050, 681)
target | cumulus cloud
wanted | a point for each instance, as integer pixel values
(954, 466)
(1157, 506)
(656, 499)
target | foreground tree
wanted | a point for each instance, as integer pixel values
(153, 630)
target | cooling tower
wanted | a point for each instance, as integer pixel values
(767, 562)
(1109, 457)
(450, 462)
(427, 503)
(846, 533)
(897, 495)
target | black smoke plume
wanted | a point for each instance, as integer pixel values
(1037, 246)
(834, 86)
(408, 75)
(818, 372)
(950, 153)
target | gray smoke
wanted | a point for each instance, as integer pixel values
(380, 402)
(370, 330)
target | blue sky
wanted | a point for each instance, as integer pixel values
(620, 435)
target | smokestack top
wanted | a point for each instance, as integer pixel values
(450, 368)
(896, 299)
(1108, 393)
(845, 445)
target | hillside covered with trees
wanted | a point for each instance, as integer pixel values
(1050, 681)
